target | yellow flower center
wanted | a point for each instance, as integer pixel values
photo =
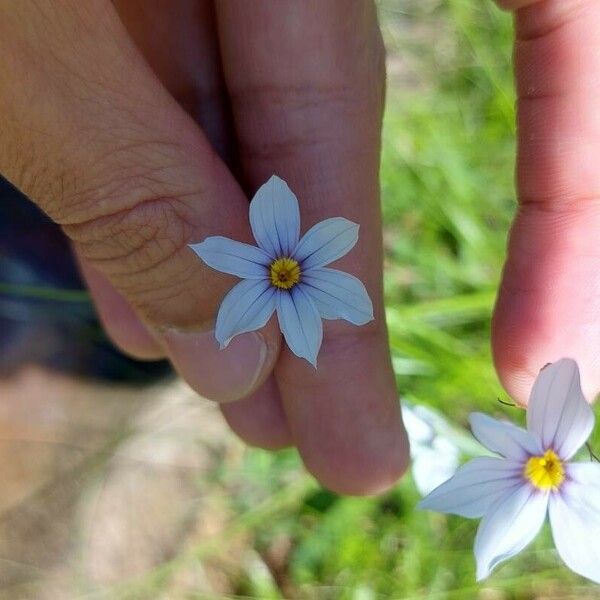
(285, 273)
(545, 472)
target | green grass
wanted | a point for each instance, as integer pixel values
(448, 199)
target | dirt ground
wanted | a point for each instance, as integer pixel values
(102, 483)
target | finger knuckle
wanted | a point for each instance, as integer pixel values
(141, 247)
(308, 112)
(343, 344)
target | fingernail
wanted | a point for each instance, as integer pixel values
(220, 375)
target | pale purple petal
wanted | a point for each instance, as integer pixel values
(247, 306)
(235, 258)
(338, 295)
(275, 218)
(504, 438)
(575, 520)
(586, 474)
(300, 323)
(511, 523)
(474, 487)
(558, 414)
(325, 242)
(435, 458)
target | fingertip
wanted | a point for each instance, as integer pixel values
(259, 419)
(516, 379)
(119, 320)
(223, 375)
(526, 337)
(132, 338)
(345, 416)
(360, 470)
(515, 336)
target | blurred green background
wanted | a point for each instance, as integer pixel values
(448, 199)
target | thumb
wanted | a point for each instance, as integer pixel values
(549, 302)
(91, 136)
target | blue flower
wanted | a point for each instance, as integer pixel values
(534, 477)
(287, 274)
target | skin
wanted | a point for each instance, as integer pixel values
(549, 302)
(143, 125)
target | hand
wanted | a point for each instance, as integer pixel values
(93, 129)
(549, 302)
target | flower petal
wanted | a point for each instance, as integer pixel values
(246, 307)
(338, 295)
(235, 258)
(300, 323)
(586, 474)
(433, 466)
(475, 487)
(419, 430)
(558, 414)
(504, 438)
(511, 523)
(325, 242)
(275, 218)
(575, 520)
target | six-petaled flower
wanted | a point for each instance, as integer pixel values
(533, 477)
(286, 274)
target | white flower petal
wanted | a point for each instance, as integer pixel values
(575, 520)
(235, 258)
(418, 429)
(275, 218)
(325, 242)
(558, 414)
(246, 307)
(504, 438)
(338, 295)
(475, 487)
(300, 323)
(510, 524)
(433, 466)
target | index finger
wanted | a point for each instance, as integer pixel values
(306, 81)
(548, 304)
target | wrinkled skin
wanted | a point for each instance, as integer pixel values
(142, 125)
